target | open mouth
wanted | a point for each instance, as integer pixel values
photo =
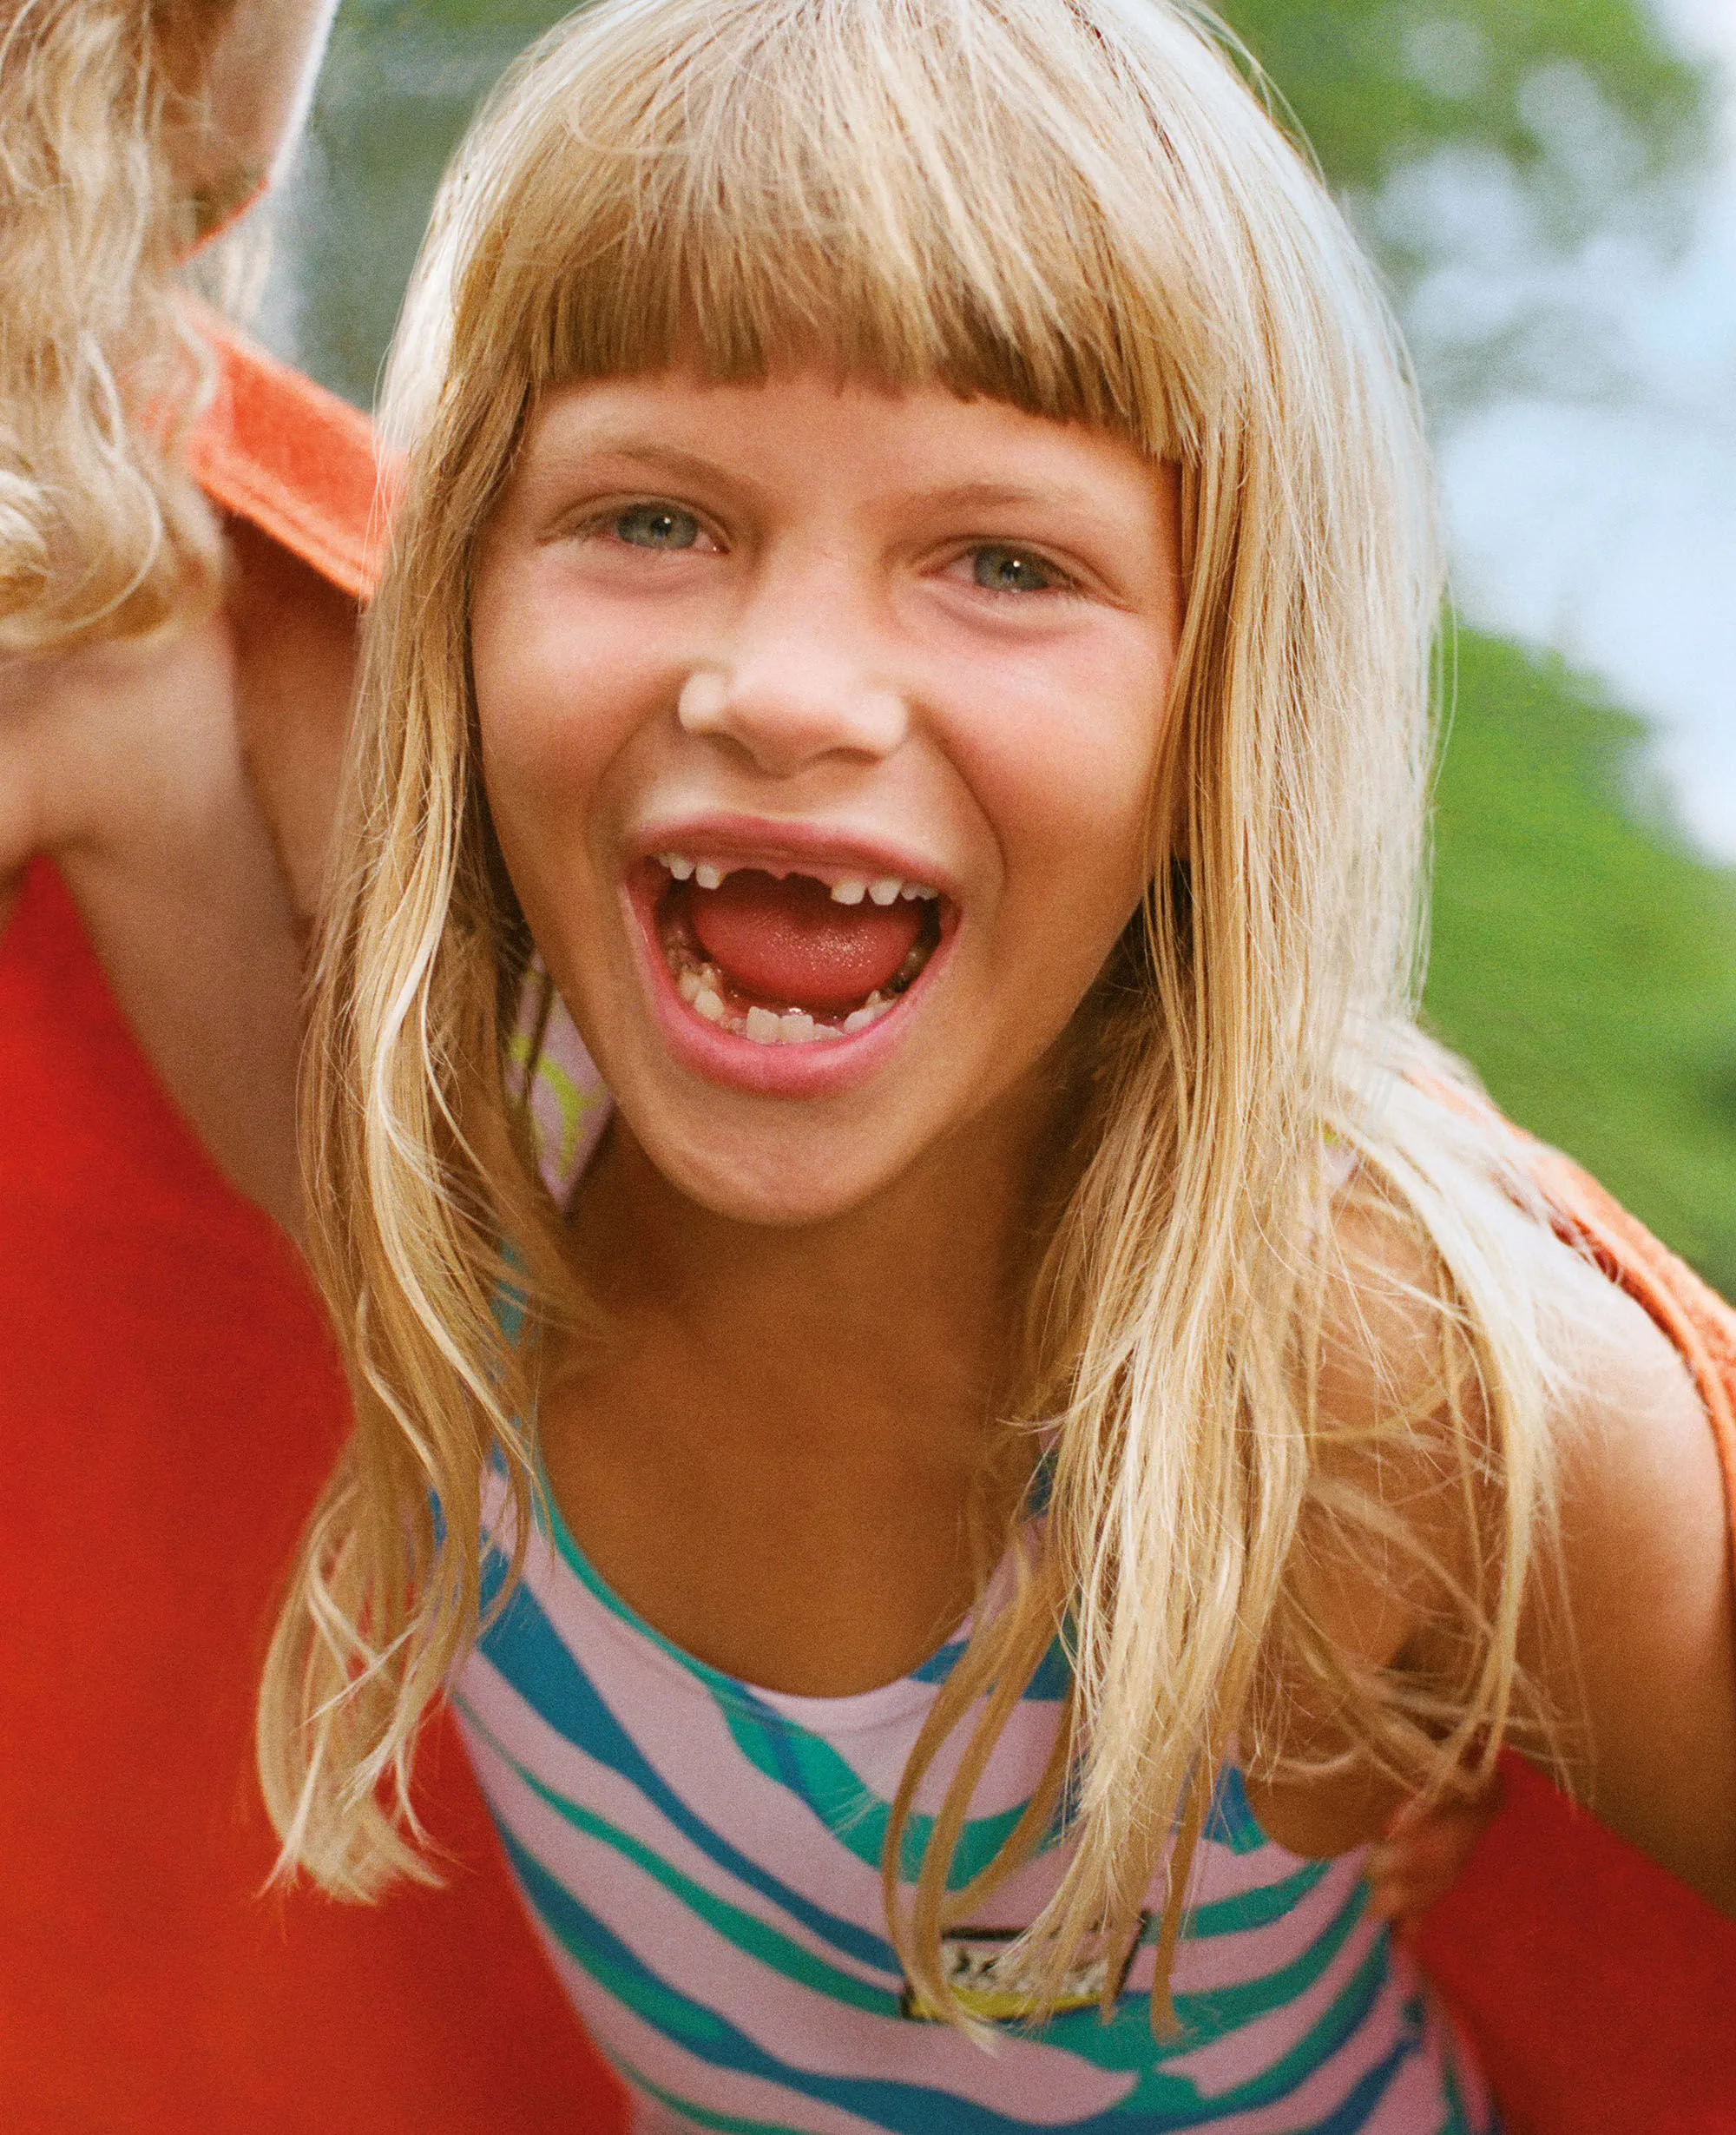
(784, 958)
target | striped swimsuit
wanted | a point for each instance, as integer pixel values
(702, 1858)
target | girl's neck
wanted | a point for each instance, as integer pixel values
(786, 1451)
(908, 1303)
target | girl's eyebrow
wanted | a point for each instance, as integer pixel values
(644, 451)
(1014, 496)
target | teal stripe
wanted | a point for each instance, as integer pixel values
(808, 1767)
(1231, 1821)
(1335, 2028)
(1225, 2008)
(755, 1938)
(530, 1653)
(702, 2116)
(901, 2108)
(1257, 1908)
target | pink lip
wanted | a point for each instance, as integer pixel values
(827, 1068)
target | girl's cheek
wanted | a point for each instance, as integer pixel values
(558, 694)
(1067, 779)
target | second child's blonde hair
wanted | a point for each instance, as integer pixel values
(1078, 208)
(102, 531)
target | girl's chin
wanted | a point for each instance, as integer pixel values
(774, 1181)
(733, 1136)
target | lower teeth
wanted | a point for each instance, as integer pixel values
(702, 991)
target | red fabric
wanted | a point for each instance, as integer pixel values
(1600, 1992)
(170, 1405)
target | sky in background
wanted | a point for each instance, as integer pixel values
(1597, 515)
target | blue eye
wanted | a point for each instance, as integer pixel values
(1014, 570)
(656, 526)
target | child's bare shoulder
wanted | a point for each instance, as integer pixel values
(1403, 1424)
(1387, 1298)
(1631, 1629)
(1623, 1408)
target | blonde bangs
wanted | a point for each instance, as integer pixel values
(883, 191)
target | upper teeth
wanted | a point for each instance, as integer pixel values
(848, 890)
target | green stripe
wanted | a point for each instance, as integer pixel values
(727, 2123)
(1226, 2008)
(1167, 2094)
(808, 1766)
(777, 1952)
(1255, 1908)
(571, 1101)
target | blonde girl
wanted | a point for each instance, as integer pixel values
(1049, 1406)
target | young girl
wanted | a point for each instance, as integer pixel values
(1048, 1407)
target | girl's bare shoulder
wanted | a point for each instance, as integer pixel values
(1644, 1647)
(1630, 1633)
(1625, 1425)
(1628, 1445)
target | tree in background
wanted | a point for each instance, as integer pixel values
(1583, 959)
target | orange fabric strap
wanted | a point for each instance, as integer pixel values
(1699, 1323)
(290, 458)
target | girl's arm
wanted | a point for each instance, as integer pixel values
(181, 776)
(1630, 1638)
(1645, 1646)
(183, 787)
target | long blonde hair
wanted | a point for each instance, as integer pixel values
(1078, 206)
(102, 531)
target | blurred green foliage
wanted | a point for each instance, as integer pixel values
(1583, 959)
(1376, 82)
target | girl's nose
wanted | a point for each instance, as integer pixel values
(786, 702)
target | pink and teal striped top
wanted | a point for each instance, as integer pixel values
(702, 1860)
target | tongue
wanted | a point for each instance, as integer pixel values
(789, 942)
